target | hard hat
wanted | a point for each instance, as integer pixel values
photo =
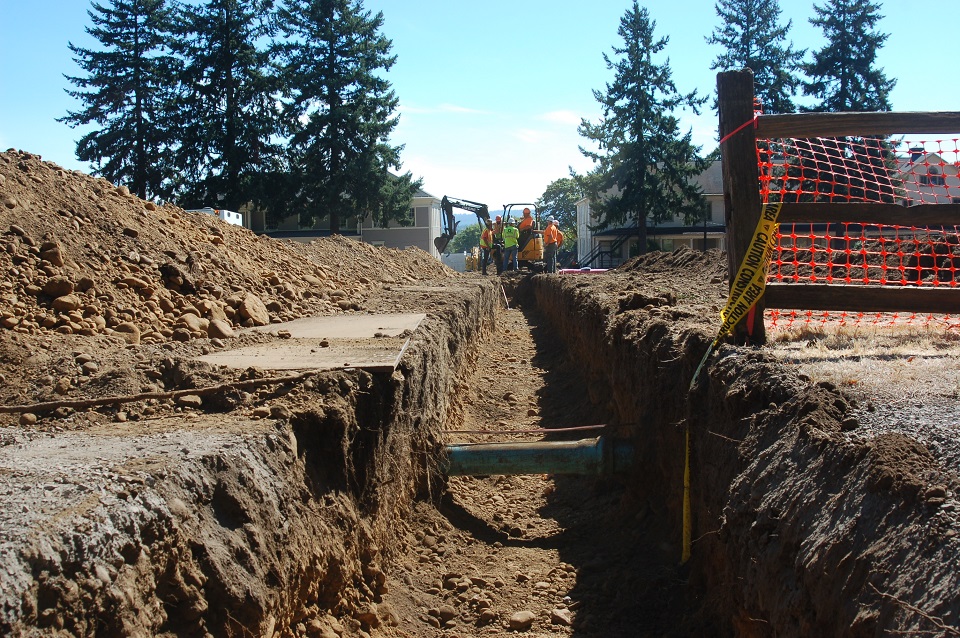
(511, 222)
(551, 219)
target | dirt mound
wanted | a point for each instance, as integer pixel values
(80, 256)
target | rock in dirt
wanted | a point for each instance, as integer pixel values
(561, 617)
(522, 620)
(219, 329)
(252, 308)
(129, 331)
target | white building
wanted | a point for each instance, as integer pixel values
(611, 247)
(229, 216)
(424, 226)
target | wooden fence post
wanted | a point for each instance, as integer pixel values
(741, 185)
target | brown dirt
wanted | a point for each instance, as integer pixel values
(146, 493)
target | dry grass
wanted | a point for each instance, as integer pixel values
(886, 362)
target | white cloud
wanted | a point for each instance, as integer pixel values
(453, 108)
(532, 136)
(561, 117)
(442, 108)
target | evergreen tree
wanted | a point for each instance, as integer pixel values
(124, 94)
(340, 113)
(843, 75)
(644, 167)
(752, 36)
(228, 117)
(465, 240)
(560, 200)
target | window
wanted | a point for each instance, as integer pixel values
(933, 178)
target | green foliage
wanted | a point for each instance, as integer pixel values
(465, 239)
(227, 116)
(228, 102)
(340, 112)
(125, 93)
(644, 166)
(560, 201)
(752, 36)
(843, 75)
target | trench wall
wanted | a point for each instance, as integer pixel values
(259, 525)
(796, 531)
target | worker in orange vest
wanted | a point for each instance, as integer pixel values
(486, 245)
(497, 252)
(552, 240)
(525, 226)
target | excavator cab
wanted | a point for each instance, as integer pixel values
(530, 254)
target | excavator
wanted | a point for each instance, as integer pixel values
(530, 254)
(450, 223)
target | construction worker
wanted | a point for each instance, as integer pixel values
(550, 245)
(526, 222)
(552, 240)
(511, 246)
(486, 244)
(496, 254)
(525, 226)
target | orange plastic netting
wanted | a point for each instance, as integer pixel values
(895, 170)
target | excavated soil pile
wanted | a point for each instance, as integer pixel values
(145, 491)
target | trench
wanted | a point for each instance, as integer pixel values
(334, 517)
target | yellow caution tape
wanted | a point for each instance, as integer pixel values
(747, 288)
(751, 279)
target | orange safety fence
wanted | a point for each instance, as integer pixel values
(892, 170)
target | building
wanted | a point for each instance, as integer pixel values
(424, 227)
(229, 216)
(610, 247)
(929, 179)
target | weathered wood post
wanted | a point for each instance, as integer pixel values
(741, 183)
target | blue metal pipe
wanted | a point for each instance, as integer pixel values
(587, 456)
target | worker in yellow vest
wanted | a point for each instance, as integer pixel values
(511, 245)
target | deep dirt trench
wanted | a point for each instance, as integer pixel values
(318, 507)
(146, 492)
(552, 555)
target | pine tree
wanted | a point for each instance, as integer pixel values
(228, 117)
(752, 36)
(559, 200)
(644, 167)
(843, 75)
(124, 93)
(340, 110)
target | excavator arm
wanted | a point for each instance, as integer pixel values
(447, 204)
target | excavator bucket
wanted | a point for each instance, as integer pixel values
(441, 242)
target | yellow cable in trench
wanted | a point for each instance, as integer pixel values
(687, 523)
(745, 290)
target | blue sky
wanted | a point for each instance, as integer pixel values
(491, 92)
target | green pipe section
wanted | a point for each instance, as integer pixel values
(587, 456)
